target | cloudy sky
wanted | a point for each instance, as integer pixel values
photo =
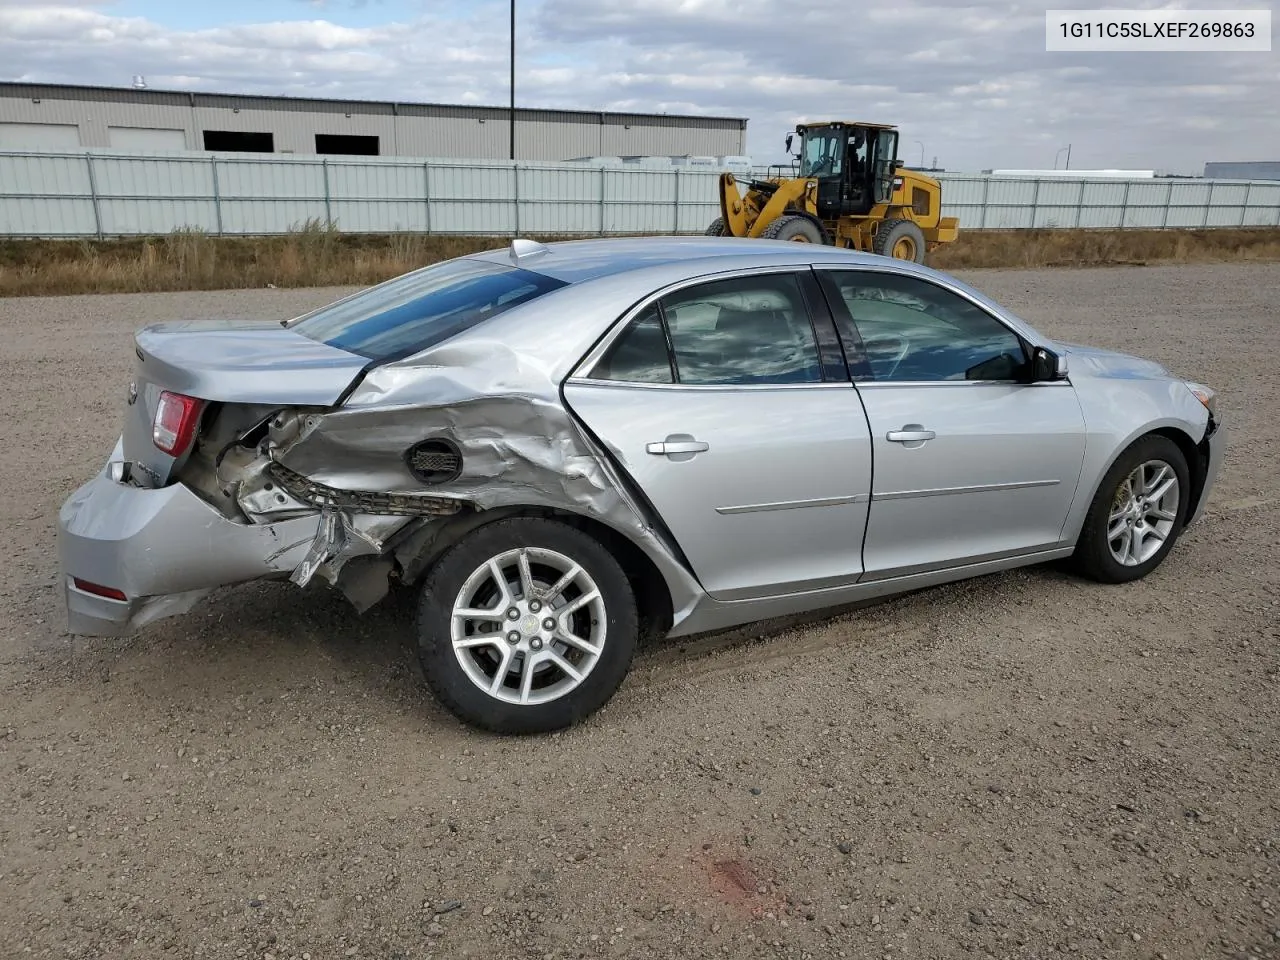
(968, 83)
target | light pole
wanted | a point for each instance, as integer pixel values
(513, 80)
(1066, 166)
(921, 144)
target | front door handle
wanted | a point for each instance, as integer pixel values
(666, 448)
(911, 433)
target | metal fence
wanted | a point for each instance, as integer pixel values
(110, 194)
(983, 202)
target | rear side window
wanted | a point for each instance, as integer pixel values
(640, 355)
(423, 308)
(743, 330)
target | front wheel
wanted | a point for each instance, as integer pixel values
(527, 625)
(1137, 513)
(900, 239)
(716, 229)
(795, 229)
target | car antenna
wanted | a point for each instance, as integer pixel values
(522, 249)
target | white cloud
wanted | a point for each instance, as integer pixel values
(970, 80)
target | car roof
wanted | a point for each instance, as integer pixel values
(576, 261)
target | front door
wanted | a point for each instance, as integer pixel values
(971, 462)
(884, 169)
(823, 159)
(747, 443)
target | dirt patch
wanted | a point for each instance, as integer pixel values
(1024, 765)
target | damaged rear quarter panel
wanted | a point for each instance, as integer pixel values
(518, 447)
(500, 404)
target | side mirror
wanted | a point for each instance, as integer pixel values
(1047, 365)
(790, 138)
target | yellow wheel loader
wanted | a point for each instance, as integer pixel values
(852, 191)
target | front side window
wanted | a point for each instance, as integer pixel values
(913, 330)
(423, 308)
(823, 155)
(745, 330)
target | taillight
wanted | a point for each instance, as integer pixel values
(175, 423)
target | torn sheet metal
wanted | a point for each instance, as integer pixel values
(503, 413)
(328, 542)
(341, 539)
(517, 442)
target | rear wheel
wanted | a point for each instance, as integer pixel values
(716, 229)
(900, 239)
(793, 228)
(1137, 513)
(525, 626)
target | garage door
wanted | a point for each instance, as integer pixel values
(39, 136)
(146, 138)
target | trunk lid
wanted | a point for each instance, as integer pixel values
(226, 361)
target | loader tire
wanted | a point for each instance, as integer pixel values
(900, 239)
(716, 229)
(793, 228)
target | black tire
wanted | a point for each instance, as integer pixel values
(1092, 557)
(794, 228)
(893, 236)
(716, 229)
(452, 685)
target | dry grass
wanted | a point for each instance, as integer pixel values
(1082, 248)
(314, 256)
(191, 260)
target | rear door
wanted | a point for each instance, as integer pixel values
(971, 462)
(733, 413)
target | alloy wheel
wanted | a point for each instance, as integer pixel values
(1143, 513)
(528, 625)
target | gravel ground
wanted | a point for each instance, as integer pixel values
(1018, 766)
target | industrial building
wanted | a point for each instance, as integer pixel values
(63, 117)
(1243, 170)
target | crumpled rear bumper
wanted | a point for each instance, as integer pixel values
(164, 549)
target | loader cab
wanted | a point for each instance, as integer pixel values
(853, 163)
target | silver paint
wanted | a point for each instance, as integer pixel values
(769, 519)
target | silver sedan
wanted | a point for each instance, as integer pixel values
(564, 448)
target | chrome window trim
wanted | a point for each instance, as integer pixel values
(725, 387)
(885, 384)
(581, 372)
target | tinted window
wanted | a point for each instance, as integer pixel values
(639, 355)
(915, 330)
(743, 330)
(423, 308)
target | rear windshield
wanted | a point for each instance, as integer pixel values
(423, 308)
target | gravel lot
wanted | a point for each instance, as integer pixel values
(1018, 766)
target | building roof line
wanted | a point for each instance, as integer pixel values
(142, 94)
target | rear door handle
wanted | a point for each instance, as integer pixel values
(665, 448)
(911, 433)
